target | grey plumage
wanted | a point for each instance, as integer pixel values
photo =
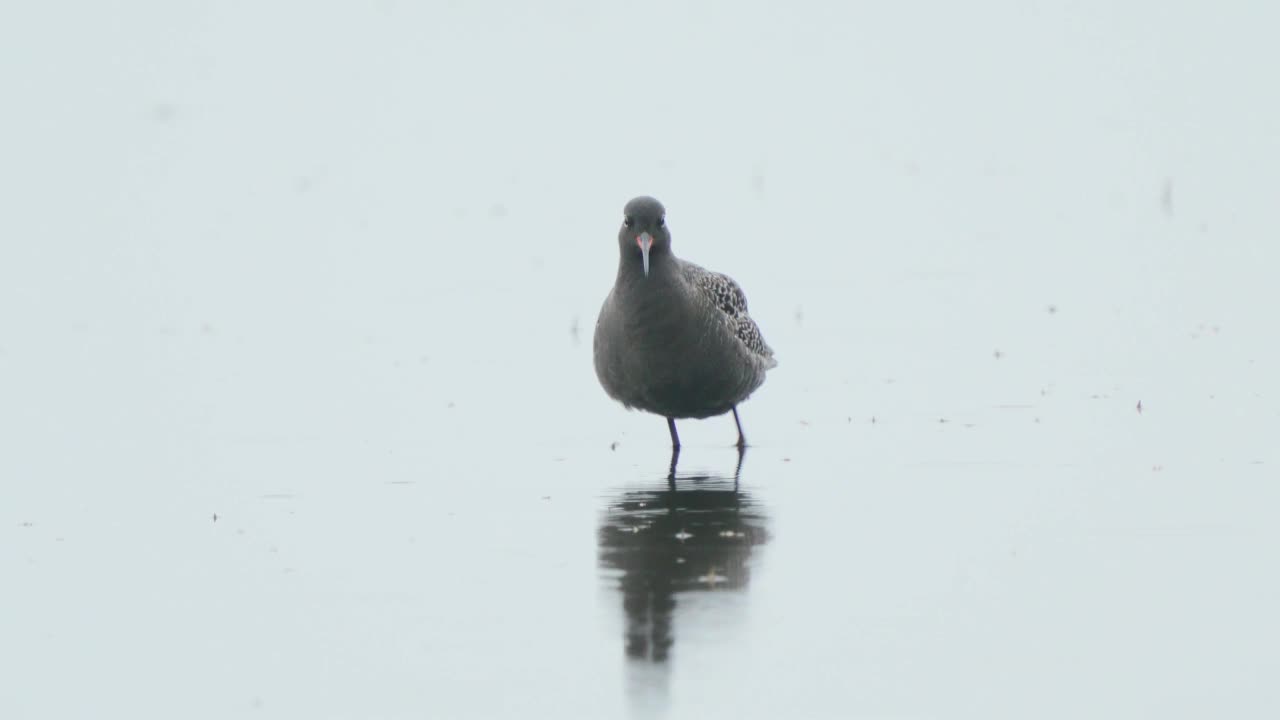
(674, 338)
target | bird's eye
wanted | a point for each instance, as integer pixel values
(662, 222)
(628, 221)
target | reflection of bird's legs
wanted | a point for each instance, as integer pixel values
(742, 440)
(675, 439)
(742, 452)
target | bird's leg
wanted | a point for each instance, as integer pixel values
(675, 439)
(742, 440)
(671, 473)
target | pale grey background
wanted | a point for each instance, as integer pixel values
(330, 271)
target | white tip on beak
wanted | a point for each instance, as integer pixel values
(645, 241)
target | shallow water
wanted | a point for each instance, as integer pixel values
(296, 402)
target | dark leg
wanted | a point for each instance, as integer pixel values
(675, 439)
(671, 474)
(742, 440)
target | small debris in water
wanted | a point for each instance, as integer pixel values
(997, 354)
(1139, 407)
(613, 445)
(1203, 329)
(1053, 309)
(712, 578)
(215, 517)
(164, 113)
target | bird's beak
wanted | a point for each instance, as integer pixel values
(645, 241)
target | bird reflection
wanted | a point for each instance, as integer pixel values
(690, 534)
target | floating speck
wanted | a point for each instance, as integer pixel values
(164, 113)
(712, 578)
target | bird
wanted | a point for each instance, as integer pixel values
(674, 338)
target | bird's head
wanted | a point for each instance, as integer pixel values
(644, 233)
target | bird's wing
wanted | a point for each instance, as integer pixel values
(722, 292)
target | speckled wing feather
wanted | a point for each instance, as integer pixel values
(722, 292)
